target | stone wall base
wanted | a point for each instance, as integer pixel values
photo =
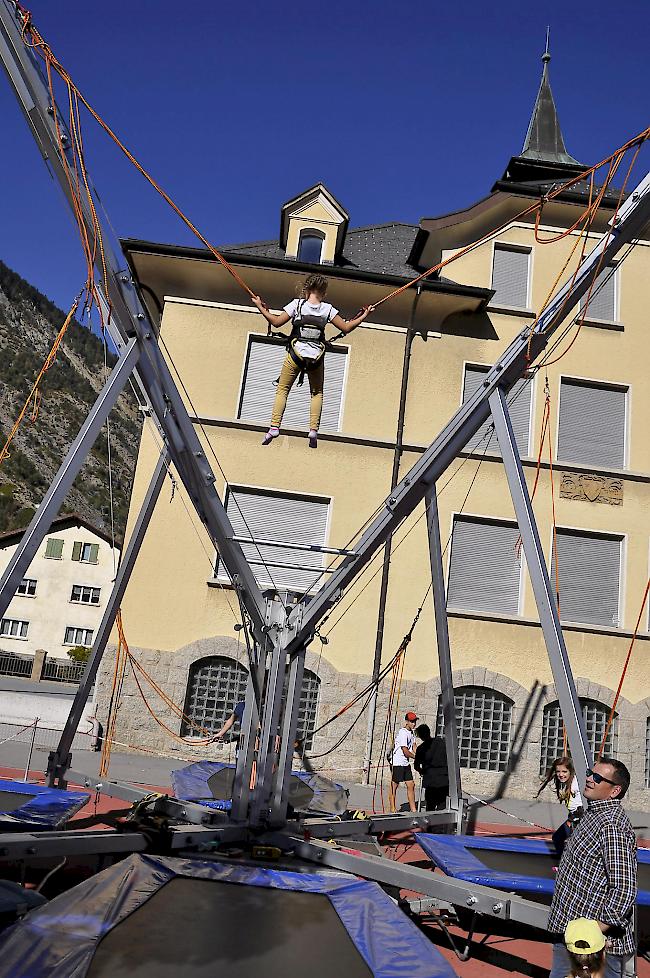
(138, 731)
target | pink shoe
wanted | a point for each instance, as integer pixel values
(313, 438)
(270, 435)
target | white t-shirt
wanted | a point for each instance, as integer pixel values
(574, 800)
(404, 738)
(317, 315)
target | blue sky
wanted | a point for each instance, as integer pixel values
(402, 109)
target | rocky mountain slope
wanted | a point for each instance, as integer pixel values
(29, 323)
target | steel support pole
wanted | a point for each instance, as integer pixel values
(247, 746)
(546, 603)
(59, 760)
(288, 739)
(62, 482)
(270, 717)
(444, 653)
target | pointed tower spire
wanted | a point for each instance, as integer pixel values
(544, 140)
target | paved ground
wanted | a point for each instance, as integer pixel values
(491, 956)
(518, 815)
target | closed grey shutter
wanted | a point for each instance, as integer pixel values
(484, 572)
(291, 519)
(263, 369)
(592, 425)
(518, 406)
(602, 304)
(510, 277)
(589, 571)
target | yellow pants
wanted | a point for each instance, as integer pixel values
(288, 375)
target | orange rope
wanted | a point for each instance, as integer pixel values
(618, 154)
(34, 396)
(32, 38)
(627, 662)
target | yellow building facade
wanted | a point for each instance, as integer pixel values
(391, 385)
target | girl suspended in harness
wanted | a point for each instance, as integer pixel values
(309, 316)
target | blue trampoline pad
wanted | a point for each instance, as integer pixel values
(191, 783)
(161, 917)
(30, 807)
(517, 865)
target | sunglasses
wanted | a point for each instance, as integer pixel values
(598, 778)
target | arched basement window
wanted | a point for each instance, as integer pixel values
(214, 686)
(483, 725)
(308, 708)
(310, 247)
(595, 716)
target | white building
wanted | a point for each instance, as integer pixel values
(61, 599)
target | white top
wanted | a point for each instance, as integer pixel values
(319, 314)
(574, 800)
(315, 315)
(404, 738)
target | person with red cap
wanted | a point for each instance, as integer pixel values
(402, 752)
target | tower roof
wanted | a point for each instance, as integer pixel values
(544, 159)
(544, 139)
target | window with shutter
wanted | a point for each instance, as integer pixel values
(595, 716)
(589, 572)
(260, 515)
(94, 553)
(77, 548)
(519, 404)
(483, 719)
(592, 424)
(484, 569)
(263, 366)
(603, 301)
(54, 548)
(510, 276)
(214, 688)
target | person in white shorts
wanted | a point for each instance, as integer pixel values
(403, 751)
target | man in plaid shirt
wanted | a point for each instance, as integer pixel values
(597, 873)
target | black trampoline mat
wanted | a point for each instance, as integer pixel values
(200, 929)
(10, 801)
(522, 863)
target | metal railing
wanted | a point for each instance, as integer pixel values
(14, 664)
(38, 734)
(59, 671)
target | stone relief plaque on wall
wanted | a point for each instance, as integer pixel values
(591, 487)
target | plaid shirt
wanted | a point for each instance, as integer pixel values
(597, 875)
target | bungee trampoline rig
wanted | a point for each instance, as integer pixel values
(176, 853)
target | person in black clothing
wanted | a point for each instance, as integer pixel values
(431, 764)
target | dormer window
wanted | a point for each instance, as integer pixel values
(310, 246)
(313, 227)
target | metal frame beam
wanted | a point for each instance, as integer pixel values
(62, 483)
(480, 899)
(129, 320)
(633, 216)
(444, 653)
(546, 604)
(60, 759)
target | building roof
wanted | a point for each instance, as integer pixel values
(381, 249)
(60, 523)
